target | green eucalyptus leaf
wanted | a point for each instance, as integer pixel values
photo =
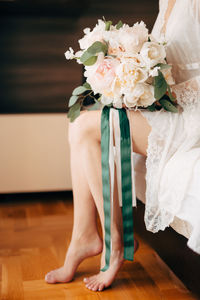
(107, 25)
(97, 47)
(74, 111)
(99, 99)
(79, 90)
(119, 25)
(72, 100)
(87, 86)
(160, 86)
(91, 61)
(85, 56)
(151, 107)
(167, 105)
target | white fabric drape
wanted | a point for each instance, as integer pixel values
(173, 154)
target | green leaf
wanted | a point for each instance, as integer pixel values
(97, 47)
(74, 111)
(91, 61)
(72, 100)
(107, 25)
(151, 107)
(79, 90)
(88, 58)
(163, 66)
(167, 105)
(160, 86)
(119, 25)
(85, 56)
(87, 86)
(99, 99)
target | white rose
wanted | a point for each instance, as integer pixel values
(133, 95)
(129, 73)
(147, 98)
(132, 38)
(117, 102)
(152, 53)
(141, 95)
(92, 36)
(106, 100)
(114, 45)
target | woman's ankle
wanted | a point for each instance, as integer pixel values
(84, 235)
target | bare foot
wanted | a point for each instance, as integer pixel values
(76, 253)
(104, 279)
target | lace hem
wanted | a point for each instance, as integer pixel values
(155, 218)
(168, 145)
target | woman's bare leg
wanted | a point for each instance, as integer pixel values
(140, 131)
(86, 157)
(85, 240)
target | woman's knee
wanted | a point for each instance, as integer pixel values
(84, 127)
(140, 129)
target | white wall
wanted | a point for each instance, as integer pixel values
(34, 153)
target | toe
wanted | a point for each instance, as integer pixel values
(101, 287)
(46, 277)
(89, 286)
(49, 277)
(95, 287)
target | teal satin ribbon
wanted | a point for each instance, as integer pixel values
(126, 182)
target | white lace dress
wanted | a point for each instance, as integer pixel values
(173, 154)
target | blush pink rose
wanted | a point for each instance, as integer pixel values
(102, 78)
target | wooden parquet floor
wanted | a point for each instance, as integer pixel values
(34, 236)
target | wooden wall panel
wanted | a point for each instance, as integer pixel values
(34, 74)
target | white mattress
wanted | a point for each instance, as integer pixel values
(180, 226)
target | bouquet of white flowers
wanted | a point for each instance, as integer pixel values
(125, 67)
